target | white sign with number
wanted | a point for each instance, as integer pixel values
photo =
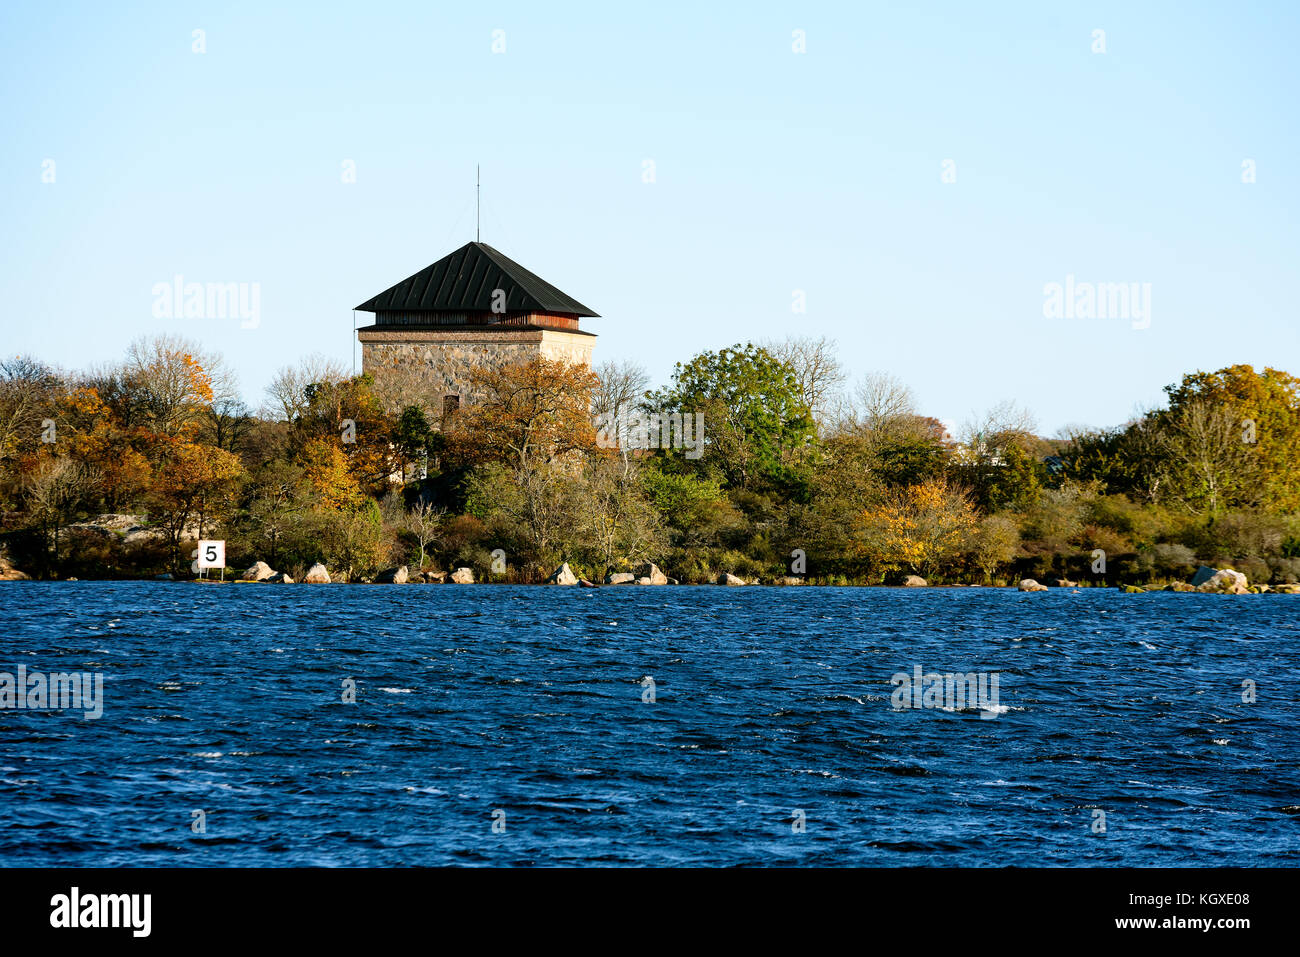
(212, 554)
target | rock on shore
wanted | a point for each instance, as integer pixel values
(259, 572)
(1224, 582)
(651, 571)
(317, 575)
(462, 576)
(393, 576)
(726, 578)
(563, 576)
(1028, 584)
(915, 581)
(10, 574)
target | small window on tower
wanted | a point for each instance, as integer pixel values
(450, 404)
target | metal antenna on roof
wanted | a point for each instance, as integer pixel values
(477, 189)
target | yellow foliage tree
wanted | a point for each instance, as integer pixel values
(331, 479)
(919, 527)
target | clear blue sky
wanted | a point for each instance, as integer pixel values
(775, 171)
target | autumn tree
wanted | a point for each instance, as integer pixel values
(325, 467)
(527, 413)
(194, 484)
(162, 386)
(94, 434)
(29, 394)
(55, 486)
(919, 527)
(1205, 459)
(288, 398)
(993, 543)
(521, 443)
(348, 417)
(1212, 416)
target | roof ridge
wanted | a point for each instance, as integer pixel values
(460, 284)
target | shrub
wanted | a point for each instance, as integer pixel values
(1286, 570)
(740, 564)
(1174, 560)
(1255, 569)
(1241, 533)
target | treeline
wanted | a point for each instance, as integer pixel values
(115, 471)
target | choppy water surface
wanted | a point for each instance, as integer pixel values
(528, 701)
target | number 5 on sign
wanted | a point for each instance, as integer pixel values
(212, 554)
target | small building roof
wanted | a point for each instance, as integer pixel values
(464, 281)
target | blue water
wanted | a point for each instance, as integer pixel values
(524, 706)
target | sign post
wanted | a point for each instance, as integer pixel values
(212, 554)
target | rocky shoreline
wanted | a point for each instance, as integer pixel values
(1207, 580)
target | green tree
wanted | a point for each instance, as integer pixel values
(758, 426)
(1008, 475)
(413, 436)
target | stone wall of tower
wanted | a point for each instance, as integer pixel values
(428, 365)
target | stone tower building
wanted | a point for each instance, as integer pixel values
(473, 307)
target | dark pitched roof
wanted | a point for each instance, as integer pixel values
(464, 281)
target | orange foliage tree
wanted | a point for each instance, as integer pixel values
(194, 483)
(95, 436)
(537, 410)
